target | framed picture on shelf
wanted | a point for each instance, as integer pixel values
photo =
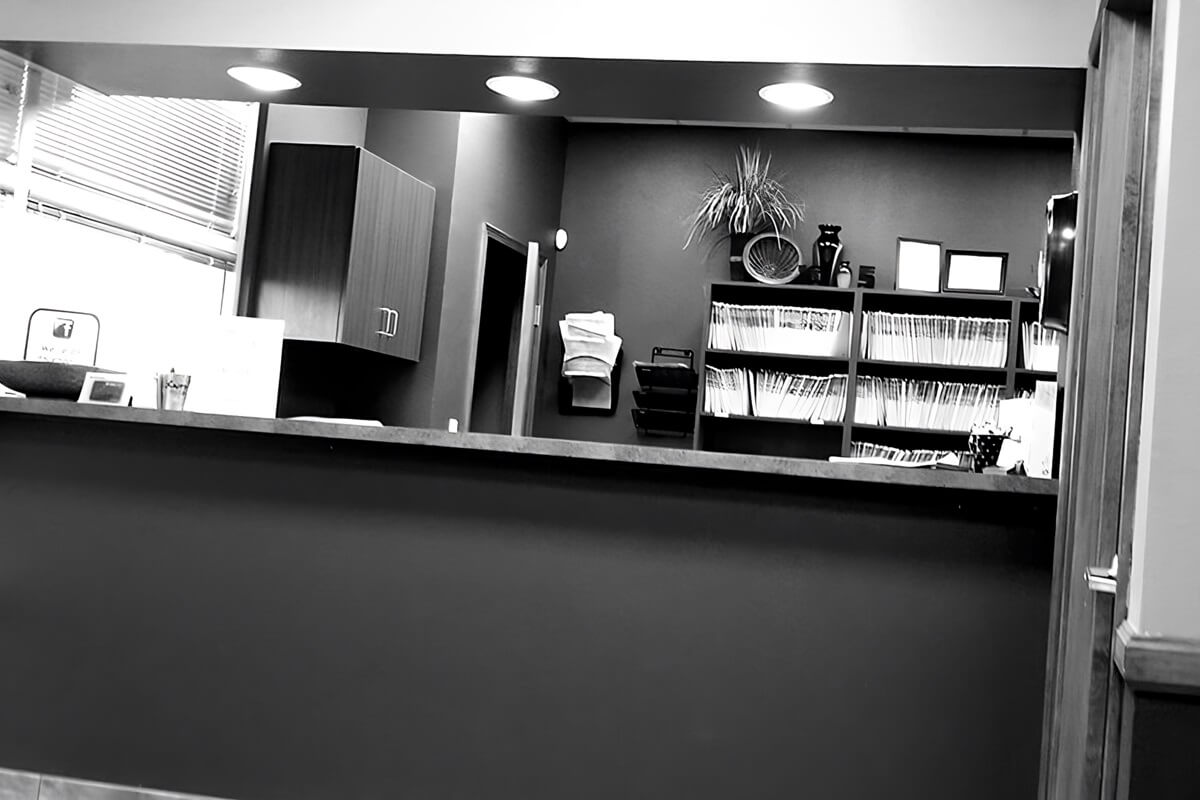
(918, 265)
(975, 271)
(105, 388)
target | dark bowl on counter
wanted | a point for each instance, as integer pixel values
(46, 378)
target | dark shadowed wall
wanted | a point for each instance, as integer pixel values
(486, 168)
(510, 175)
(1165, 741)
(272, 618)
(425, 145)
(628, 192)
(337, 381)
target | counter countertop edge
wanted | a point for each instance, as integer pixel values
(533, 446)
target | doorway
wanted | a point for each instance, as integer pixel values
(496, 388)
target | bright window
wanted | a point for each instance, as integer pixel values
(167, 171)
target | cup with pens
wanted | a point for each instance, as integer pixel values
(172, 390)
(984, 442)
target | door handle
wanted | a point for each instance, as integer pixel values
(387, 322)
(1102, 580)
(395, 317)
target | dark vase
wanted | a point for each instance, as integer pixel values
(827, 251)
(737, 245)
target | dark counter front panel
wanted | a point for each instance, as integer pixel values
(266, 617)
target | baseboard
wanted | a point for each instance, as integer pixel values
(1157, 663)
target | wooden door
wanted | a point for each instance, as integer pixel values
(523, 390)
(366, 320)
(1101, 407)
(408, 240)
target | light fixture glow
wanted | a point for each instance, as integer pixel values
(1068, 233)
(519, 87)
(795, 95)
(263, 79)
(560, 239)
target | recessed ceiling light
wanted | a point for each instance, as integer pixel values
(796, 95)
(263, 79)
(518, 87)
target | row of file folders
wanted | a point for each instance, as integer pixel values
(781, 395)
(892, 402)
(779, 329)
(935, 339)
(914, 338)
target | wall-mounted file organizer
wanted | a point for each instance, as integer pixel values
(566, 394)
(666, 399)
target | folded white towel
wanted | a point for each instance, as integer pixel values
(589, 348)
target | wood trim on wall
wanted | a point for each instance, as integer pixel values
(1157, 663)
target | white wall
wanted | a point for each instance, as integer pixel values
(1165, 581)
(316, 124)
(973, 32)
(140, 293)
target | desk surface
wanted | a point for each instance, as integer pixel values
(548, 448)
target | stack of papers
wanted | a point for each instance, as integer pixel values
(779, 329)
(805, 397)
(870, 453)
(934, 339)
(727, 391)
(782, 395)
(590, 350)
(933, 405)
(1039, 347)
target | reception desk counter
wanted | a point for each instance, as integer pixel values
(268, 609)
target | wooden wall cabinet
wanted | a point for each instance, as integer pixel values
(345, 249)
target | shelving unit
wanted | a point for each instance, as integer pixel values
(801, 438)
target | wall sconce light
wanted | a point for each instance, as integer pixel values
(560, 240)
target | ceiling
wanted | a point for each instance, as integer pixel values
(987, 33)
(1005, 100)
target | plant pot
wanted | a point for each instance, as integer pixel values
(737, 245)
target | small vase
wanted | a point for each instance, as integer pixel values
(827, 250)
(845, 275)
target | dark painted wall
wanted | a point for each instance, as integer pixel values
(331, 380)
(268, 618)
(1166, 739)
(425, 145)
(629, 190)
(509, 174)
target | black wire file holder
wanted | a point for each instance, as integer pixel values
(666, 399)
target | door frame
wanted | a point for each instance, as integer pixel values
(1087, 710)
(522, 393)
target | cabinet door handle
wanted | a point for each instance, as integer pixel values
(387, 322)
(395, 320)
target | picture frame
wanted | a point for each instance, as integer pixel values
(106, 389)
(975, 271)
(918, 265)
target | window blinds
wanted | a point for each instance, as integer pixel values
(12, 87)
(167, 169)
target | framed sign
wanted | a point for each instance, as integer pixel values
(976, 271)
(105, 388)
(67, 337)
(918, 265)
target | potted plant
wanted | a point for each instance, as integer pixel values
(743, 205)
